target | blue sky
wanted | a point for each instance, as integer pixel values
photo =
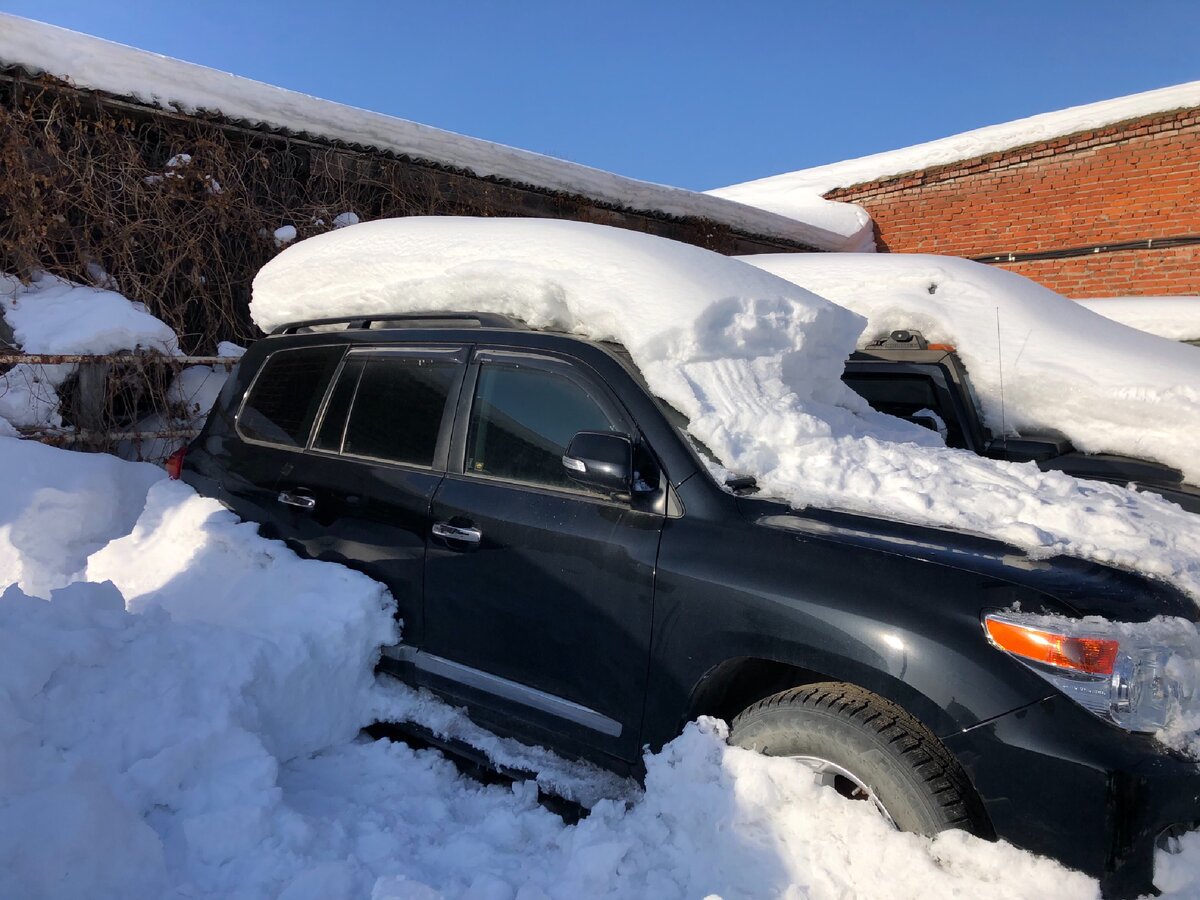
(696, 94)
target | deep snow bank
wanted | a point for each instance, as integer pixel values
(144, 713)
(1056, 365)
(752, 360)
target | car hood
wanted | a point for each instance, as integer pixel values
(1086, 588)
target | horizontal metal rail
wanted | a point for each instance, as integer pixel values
(73, 437)
(56, 359)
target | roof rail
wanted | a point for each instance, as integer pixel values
(401, 320)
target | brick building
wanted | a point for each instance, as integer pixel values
(1098, 200)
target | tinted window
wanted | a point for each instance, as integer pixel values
(522, 421)
(287, 394)
(333, 424)
(398, 408)
(904, 396)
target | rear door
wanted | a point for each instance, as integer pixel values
(538, 592)
(272, 428)
(360, 496)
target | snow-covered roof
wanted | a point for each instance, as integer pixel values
(1176, 318)
(1038, 361)
(92, 63)
(793, 192)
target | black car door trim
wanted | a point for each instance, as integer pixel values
(503, 688)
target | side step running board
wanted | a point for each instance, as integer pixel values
(474, 763)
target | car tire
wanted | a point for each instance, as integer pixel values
(867, 748)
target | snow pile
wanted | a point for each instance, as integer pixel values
(752, 360)
(187, 728)
(51, 315)
(172, 84)
(1175, 318)
(799, 190)
(56, 508)
(1056, 366)
(144, 713)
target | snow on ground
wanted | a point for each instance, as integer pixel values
(796, 192)
(1174, 318)
(752, 360)
(1038, 361)
(183, 723)
(90, 62)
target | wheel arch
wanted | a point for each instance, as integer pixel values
(733, 684)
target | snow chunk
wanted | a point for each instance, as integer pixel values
(848, 220)
(341, 220)
(53, 315)
(284, 235)
(57, 507)
(1059, 367)
(1174, 318)
(753, 361)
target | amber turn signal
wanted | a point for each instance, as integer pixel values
(1092, 656)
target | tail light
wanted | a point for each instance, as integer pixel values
(174, 464)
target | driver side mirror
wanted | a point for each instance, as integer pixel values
(601, 460)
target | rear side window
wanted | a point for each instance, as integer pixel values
(286, 395)
(397, 410)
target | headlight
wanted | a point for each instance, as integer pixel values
(1141, 677)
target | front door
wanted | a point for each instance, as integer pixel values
(539, 592)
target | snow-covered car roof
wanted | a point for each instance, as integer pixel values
(1175, 318)
(1038, 361)
(752, 360)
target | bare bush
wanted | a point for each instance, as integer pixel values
(177, 212)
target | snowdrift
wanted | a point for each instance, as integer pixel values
(1056, 365)
(752, 360)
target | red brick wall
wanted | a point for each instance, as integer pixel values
(1134, 181)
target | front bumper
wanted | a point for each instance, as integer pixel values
(1056, 780)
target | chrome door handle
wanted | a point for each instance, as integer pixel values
(454, 533)
(298, 500)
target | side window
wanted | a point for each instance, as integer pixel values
(523, 419)
(397, 409)
(333, 423)
(286, 395)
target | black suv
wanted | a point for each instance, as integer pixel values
(901, 375)
(567, 569)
